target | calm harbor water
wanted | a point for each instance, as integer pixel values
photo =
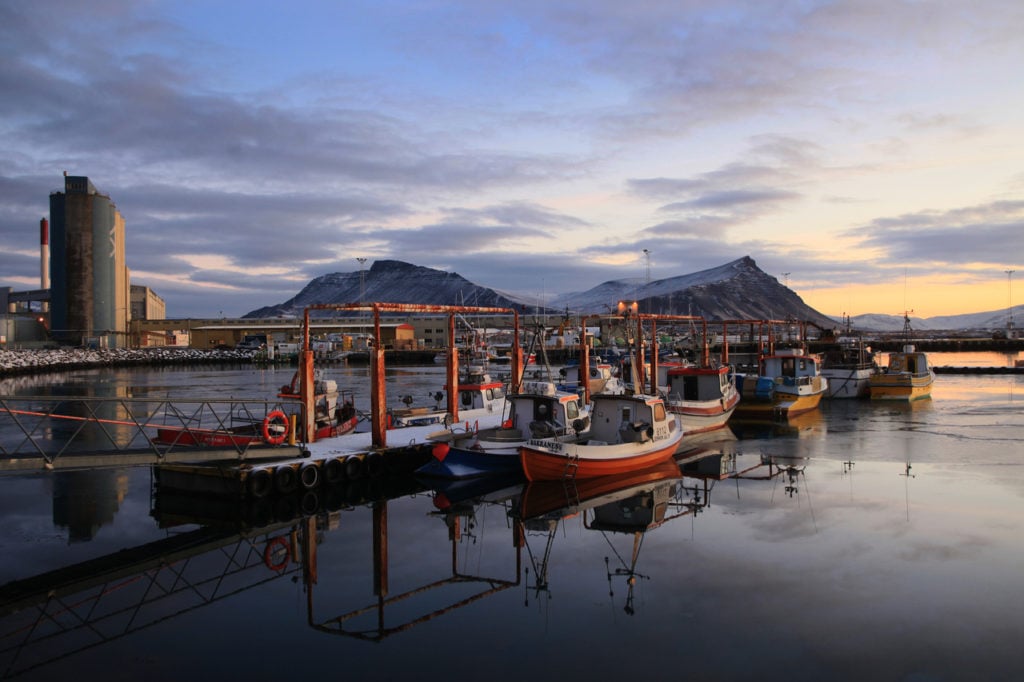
(867, 541)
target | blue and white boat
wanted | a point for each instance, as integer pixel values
(539, 410)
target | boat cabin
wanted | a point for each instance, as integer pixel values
(697, 383)
(629, 419)
(791, 365)
(544, 411)
(909, 360)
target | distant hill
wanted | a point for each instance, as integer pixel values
(991, 320)
(736, 290)
(390, 281)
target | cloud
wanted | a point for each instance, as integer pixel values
(512, 141)
(990, 234)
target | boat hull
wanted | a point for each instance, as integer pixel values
(906, 388)
(244, 437)
(848, 383)
(545, 460)
(463, 463)
(782, 405)
(544, 498)
(700, 417)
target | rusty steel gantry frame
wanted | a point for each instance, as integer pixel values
(378, 395)
(640, 318)
(763, 337)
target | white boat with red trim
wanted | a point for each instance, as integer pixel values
(627, 432)
(702, 397)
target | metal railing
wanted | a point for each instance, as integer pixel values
(52, 431)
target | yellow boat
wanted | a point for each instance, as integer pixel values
(908, 377)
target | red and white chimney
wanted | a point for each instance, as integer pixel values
(44, 255)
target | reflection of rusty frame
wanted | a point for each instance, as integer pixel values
(58, 614)
(336, 625)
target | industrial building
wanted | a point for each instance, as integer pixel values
(89, 287)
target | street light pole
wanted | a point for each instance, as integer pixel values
(1009, 304)
(362, 280)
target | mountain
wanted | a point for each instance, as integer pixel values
(389, 281)
(736, 290)
(994, 319)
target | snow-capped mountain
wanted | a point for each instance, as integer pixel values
(736, 290)
(390, 281)
(991, 320)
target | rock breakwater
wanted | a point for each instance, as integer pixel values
(14, 362)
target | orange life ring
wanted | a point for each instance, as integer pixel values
(272, 418)
(268, 554)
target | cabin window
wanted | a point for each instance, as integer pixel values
(467, 398)
(803, 365)
(496, 393)
(788, 367)
(572, 410)
(541, 412)
(659, 412)
(627, 415)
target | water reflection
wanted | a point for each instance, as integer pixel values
(631, 504)
(85, 500)
(901, 523)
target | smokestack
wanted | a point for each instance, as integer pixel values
(44, 256)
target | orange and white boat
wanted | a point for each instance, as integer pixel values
(627, 432)
(702, 397)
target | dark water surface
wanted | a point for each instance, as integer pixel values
(887, 546)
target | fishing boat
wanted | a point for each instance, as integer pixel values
(479, 396)
(335, 415)
(627, 432)
(908, 376)
(539, 410)
(703, 398)
(848, 365)
(601, 379)
(788, 383)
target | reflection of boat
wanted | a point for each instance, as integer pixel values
(626, 433)
(630, 503)
(556, 499)
(449, 493)
(703, 397)
(788, 383)
(801, 425)
(538, 411)
(479, 397)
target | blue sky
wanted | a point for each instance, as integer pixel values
(871, 150)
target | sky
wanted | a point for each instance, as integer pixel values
(869, 154)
